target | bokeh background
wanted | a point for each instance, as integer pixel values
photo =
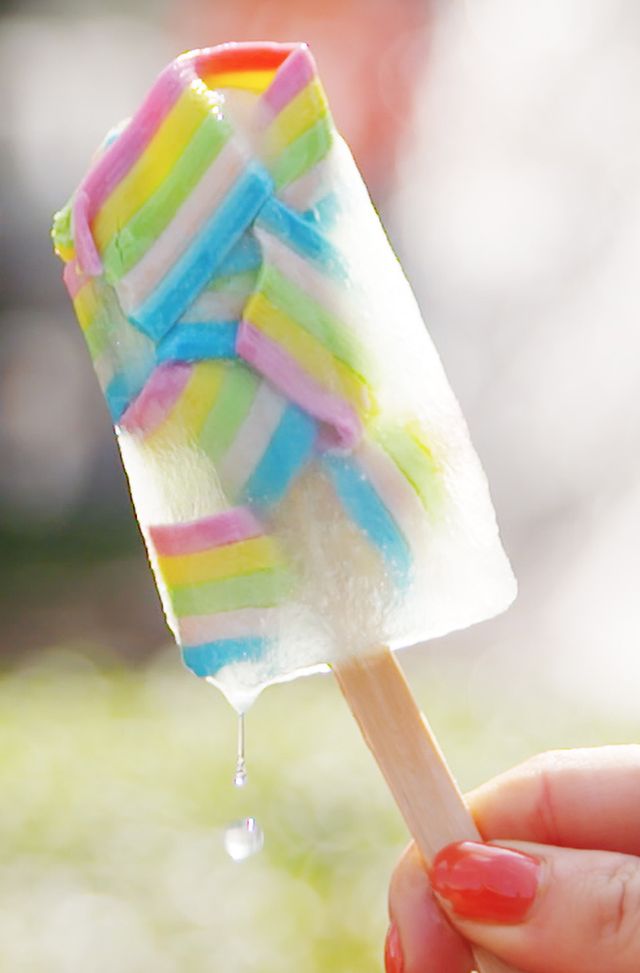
(501, 143)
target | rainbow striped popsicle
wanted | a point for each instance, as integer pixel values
(300, 469)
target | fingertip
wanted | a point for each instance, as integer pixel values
(424, 938)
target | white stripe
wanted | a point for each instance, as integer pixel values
(216, 306)
(252, 440)
(309, 188)
(395, 491)
(214, 185)
(238, 624)
(329, 293)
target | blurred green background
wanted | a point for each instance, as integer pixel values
(501, 143)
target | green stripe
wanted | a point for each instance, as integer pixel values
(133, 241)
(61, 232)
(100, 334)
(262, 589)
(415, 461)
(235, 284)
(303, 153)
(97, 335)
(229, 411)
(311, 316)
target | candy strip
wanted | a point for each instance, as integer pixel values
(119, 393)
(146, 225)
(237, 392)
(231, 285)
(301, 236)
(199, 262)
(307, 188)
(296, 118)
(119, 158)
(233, 58)
(243, 623)
(273, 361)
(188, 413)
(229, 561)
(157, 398)
(223, 304)
(302, 154)
(414, 459)
(207, 660)
(73, 278)
(199, 342)
(321, 288)
(258, 589)
(255, 81)
(393, 488)
(251, 439)
(297, 304)
(296, 72)
(245, 256)
(152, 166)
(62, 234)
(367, 510)
(289, 450)
(188, 221)
(172, 540)
(307, 351)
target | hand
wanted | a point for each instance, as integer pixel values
(555, 890)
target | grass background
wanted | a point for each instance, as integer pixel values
(116, 787)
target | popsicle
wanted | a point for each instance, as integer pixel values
(300, 469)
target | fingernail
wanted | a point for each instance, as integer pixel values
(485, 882)
(393, 958)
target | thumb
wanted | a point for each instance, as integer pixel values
(542, 908)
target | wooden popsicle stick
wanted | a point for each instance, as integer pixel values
(411, 761)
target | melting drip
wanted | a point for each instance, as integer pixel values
(240, 776)
(243, 839)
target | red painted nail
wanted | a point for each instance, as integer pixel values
(485, 882)
(393, 958)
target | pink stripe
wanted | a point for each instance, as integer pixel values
(243, 623)
(296, 72)
(121, 155)
(173, 540)
(73, 278)
(157, 398)
(274, 363)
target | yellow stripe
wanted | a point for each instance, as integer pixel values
(66, 251)
(190, 412)
(301, 114)
(229, 561)
(85, 304)
(153, 166)
(314, 358)
(257, 81)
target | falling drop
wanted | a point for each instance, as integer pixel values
(240, 776)
(242, 839)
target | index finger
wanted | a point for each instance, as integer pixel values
(577, 798)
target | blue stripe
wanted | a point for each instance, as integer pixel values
(207, 659)
(301, 235)
(324, 213)
(123, 389)
(199, 342)
(288, 451)
(202, 259)
(367, 510)
(245, 256)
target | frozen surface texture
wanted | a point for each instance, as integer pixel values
(300, 468)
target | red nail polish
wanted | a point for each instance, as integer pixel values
(485, 882)
(393, 958)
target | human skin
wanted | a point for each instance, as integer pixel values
(564, 894)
